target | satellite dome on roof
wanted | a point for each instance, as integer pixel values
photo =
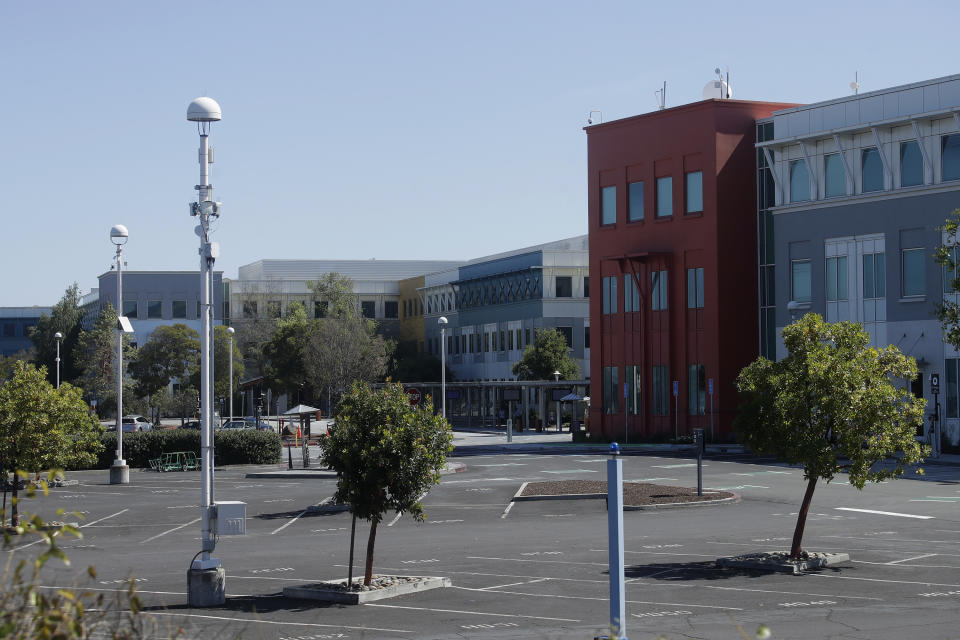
(203, 110)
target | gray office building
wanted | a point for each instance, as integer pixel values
(851, 193)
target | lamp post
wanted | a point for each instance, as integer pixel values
(556, 378)
(119, 471)
(58, 337)
(230, 333)
(442, 321)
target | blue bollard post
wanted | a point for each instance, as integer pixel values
(618, 610)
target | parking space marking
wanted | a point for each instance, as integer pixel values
(259, 620)
(160, 535)
(761, 473)
(573, 471)
(83, 526)
(474, 613)
(515, 584)
(937, 499)
(502, 464)
(565, 597)
(885, 513)
(297, 517)
(685, 465)
(929, 584)
(589, 564)
(653, 480)
(926, 555)
(510, 506)
(739, 487)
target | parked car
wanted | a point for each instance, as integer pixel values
(237, 424)
(191, 424)
(134, 423)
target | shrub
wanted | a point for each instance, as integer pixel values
(246, 446)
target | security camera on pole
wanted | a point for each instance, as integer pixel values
(442, 321)
(206, 578)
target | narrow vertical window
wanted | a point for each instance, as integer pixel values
(610, 294)
(837, 278)
(694, 188)
(950, 157)
(911, 164)
(610, 388)
(658, 290)
(871, 170)
(635, 201)
(696, 390)
(799, 181)
(664, 197)
(661, 384)
(913, 272)
(633, 390)
(695, 288)
(608, 205)
(800, 280)
(835, 176)
(631, 294)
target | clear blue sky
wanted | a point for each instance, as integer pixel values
(400, 130)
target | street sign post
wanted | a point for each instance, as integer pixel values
(698, 445)
(413, 395)
(935, 416)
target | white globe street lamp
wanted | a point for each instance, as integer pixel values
(442, 321)
(556, 378)
(230, 332)
(119, 471)
(58, 337)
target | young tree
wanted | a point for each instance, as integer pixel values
(831, 405)
(42, 428)
(548, 353)
(65, 318)
(96, 358)
(386, 453)
(285, 368)
(171, 353)
(948, 256)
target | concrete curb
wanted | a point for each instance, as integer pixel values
(562, 496)
(318, 592)
(327, 474)
(777, 562)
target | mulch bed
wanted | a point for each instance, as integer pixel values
(635, 494)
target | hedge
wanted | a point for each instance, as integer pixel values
(240, 446)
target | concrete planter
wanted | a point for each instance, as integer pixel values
(780, 562)
(388, 587)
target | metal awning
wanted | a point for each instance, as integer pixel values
(300, 409)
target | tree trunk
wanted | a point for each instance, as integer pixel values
(353, 533)
(14, 506)
(795, 549)
(368, 572)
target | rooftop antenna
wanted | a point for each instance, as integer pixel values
(661, 95)
(855, 85)
(718, 89)
(590, 116)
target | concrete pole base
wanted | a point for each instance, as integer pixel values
(119, 474)
(206, 587)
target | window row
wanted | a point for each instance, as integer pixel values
(663, 198)
(873, 277)
(274, 309)
(871, 169)
(154, 308)
(660, 387)
(498, 341)
(658, 291)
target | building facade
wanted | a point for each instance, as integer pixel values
(15, 326)
(851, 194)
(673, 253)
(155, 298)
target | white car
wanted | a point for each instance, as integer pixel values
(135, 423)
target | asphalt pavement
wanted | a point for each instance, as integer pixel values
(533, 569)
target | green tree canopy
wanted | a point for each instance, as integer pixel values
(65, 318)
(333, 294)
(171, 353)
(285, 368)
(948, 256)
(42, 428)
(409, 365)
(831, 405)
(548, 353)
(96, 357)
(386, 453)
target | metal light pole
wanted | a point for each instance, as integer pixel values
(206, 577)
(119, 471)
(58, 337)
(442, 321)
(230, 333)
(556, 378)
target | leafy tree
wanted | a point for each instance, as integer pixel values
(285, 367)
(831, 406)
(548, 353)
(8, 364)
(171, 353)
(333, 293)
(42, 428)
(947, 255)
(221, 363)
(96, 357)
(343, 350)
(66, 318)
(387, 455)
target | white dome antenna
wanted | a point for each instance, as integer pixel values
(720, 88)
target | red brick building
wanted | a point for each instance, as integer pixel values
(673, 260)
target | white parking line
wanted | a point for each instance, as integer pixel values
(514, 584)
(160, 535)
(476, 613)
(260, 620)
(297, 517)
(926, 555)
(83, 526)
(885, 513)
(675, 466)
(564, 597)
(510, 506)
